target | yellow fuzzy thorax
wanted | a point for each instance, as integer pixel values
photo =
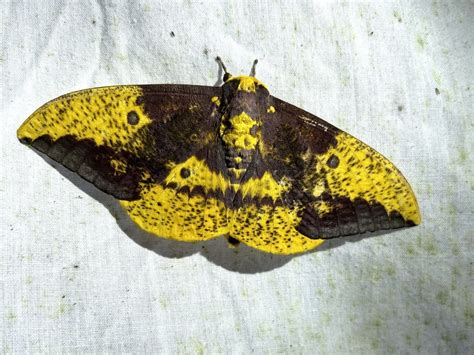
(247, 83)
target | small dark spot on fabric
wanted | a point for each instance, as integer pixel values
(400, 108)
(132, 118)
(437, 92)
(333, 161)
(185, 173)
(371, 33)
(172, 34)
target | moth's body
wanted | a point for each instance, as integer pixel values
(242, 108)
(193, 163)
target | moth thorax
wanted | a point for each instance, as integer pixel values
(239, 136)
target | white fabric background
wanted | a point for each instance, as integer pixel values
(73, 279)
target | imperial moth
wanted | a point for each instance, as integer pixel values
(192, 163)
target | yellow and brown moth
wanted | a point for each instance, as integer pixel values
(192, 163)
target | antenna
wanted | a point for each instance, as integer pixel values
(227, 75)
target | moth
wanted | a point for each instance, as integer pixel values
(192, 163)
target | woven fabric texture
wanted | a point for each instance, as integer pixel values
(77, 276)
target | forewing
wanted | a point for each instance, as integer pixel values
(345, 187)
(128, 141)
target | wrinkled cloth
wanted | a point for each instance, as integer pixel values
(77, 276)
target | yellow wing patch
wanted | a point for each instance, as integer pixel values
(266, 186)
(110, 116)
(360, 171)
(271, 229)
(119, 166)
(194, 173)
(215, 100)
(271, 109)
(171, 210)
(176, 215)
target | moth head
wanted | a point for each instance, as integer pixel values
(245, 92)
(245, 83)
